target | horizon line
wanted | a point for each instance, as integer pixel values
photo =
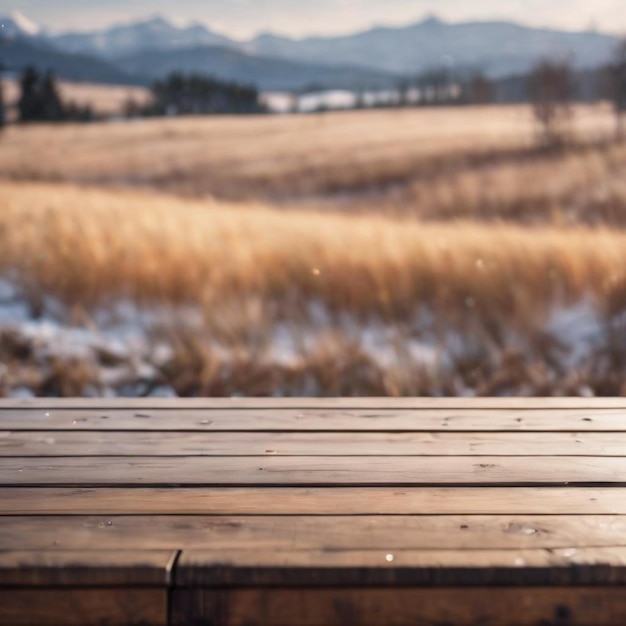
(430, 16)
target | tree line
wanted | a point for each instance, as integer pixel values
(40, 101)
(179, 94)
(551, 88)
(195, 94)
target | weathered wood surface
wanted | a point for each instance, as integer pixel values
(317, 420)
(328, 532)
(274, 470)
(498, 404)
(530, 606)
(98, 606)
(151, 443)
(570, 566)
(313, 501)
(88, 568)
(308, 512)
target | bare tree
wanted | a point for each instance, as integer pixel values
(479, 90)
(403, 88)
(617, 81)
(436, 84)
(551, 92)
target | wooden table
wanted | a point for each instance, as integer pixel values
(313, 512)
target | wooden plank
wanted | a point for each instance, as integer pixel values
(383, 533)
(86, 569)
(591, 566)
(314, 471)
(315, 403)
(112, 443)
(314, 501)
(125, 606)
(532, 606)
(327, 420)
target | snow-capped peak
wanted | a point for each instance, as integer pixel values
(17, 24)
(25, 24)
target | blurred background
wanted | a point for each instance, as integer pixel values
(270, 198)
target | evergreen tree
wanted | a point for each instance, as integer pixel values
(29, 105)
(40, 100)
(51, 105)
(2, 106)
(194, 94)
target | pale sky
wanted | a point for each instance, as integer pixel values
(243, 18)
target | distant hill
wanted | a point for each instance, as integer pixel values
(156, 33)
(497, 48)
(17, 52)
(265, 72)
(371, 59)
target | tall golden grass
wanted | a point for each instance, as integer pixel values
(372, 217)
(87, 245)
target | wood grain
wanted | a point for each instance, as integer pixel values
(592, 566)
(314, 471)
(125, 606)
(131, 443)
(314, 403)
(88, 568)
(302, 512)
(328, 420)
(288, 533)
(533, 606)
(313, 501)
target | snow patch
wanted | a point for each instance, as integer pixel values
(579, 328)
(25, 24)
(127, 345)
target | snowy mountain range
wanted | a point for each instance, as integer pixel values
(380, 54)
(156, 33)
(496, 48)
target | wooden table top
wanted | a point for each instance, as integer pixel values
(310, 512)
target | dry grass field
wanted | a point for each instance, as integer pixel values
(292, 158)
(85, 245)
(369, 253)
(437, 164)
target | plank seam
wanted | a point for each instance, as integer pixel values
(311, 456)
(320, 485)
(172, 569)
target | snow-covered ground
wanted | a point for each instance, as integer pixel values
(341, 99)
(126, 347)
